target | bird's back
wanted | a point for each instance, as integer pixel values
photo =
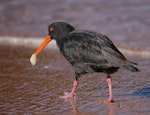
(90, 52)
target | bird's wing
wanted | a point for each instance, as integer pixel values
(112, 54)
(90, 48)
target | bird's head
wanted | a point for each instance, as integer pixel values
(56, 30)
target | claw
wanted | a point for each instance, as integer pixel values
(68, 95)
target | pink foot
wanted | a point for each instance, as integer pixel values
(110, 100)
(72, 94)
(67, 96)
(106, 100)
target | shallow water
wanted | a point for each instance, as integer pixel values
(35, 90)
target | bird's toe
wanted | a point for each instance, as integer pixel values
(68, 95)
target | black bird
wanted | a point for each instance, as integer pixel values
(87, 52)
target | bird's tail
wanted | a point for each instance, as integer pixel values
(131, 68)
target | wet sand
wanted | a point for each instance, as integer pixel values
(35, 90)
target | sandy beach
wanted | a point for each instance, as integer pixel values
(25, 89)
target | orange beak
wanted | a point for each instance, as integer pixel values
(43, 44)
(39, 49)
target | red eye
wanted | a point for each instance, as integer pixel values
(51, 29)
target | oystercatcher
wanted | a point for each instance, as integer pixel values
(87, 52)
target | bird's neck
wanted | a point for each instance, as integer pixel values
(62, 36)
(59, 41)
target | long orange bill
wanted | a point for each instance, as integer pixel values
(39, 49)
(43, 44)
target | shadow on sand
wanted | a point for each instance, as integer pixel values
(142, 92)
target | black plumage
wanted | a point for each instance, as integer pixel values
(88, 52)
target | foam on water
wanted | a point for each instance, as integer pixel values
(35, 42)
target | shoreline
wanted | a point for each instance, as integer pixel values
(52, 45)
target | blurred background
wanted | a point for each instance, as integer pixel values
(124, 21)
(35, 90)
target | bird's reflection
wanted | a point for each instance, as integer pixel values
(74, 107)
(110, 109)
(76, 111)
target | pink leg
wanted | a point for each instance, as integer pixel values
(71, 94)
(110, 99)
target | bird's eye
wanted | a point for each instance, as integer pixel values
(51, 29)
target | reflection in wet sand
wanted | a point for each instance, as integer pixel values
(77, 112)
(74, 107)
